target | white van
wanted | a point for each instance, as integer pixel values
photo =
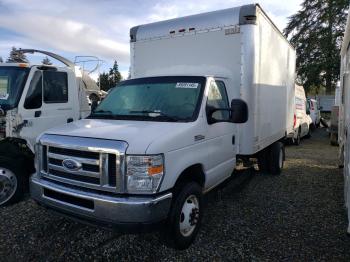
(313, 110)
(301, 121)
(206, 90)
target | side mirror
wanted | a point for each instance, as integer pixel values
(239, 111)
(94, 105)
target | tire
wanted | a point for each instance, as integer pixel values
(298, 139)
(13, 181)
(277, 156)
(186, 207)
(263, 160)
(308, 135)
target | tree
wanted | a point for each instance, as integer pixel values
(1, 61)
(103, 81)
(109, 80)
(316, 31)
(114, 75)
(16, 56)
(46, 61)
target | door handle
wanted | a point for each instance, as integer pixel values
(37, 114)
(70, 120)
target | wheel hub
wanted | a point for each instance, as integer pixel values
(8, 185)
(189, 216)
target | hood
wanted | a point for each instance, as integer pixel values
(138, 134)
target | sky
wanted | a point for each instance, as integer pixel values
(101, 28)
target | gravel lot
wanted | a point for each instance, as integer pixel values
(298, 215)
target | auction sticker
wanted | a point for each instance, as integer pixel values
(187, 85)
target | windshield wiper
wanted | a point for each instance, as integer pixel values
(157, 114)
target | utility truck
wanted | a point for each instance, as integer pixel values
(34, 98)
(206, 90)
(344, 117)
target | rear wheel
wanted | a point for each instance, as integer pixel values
(185, 216)
(13, 182)
(263, 160)
(308, 135)
(298, 138)
(277, 158)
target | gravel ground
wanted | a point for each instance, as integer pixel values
(298, 215)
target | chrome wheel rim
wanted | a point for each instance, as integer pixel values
(189, 216)
(8, 185)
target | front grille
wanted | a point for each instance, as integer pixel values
(97, 170)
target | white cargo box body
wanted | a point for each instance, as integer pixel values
(239, 44)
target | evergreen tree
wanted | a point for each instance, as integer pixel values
(114, 75)
(16, 56)
(109, 80)
(103, 82)
(316, 31)
(1, 61)
(46, 61)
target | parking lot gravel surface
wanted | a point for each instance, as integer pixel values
(297, 216)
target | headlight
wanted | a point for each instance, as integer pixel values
(144, 173)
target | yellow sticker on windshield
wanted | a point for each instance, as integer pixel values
(187, 85)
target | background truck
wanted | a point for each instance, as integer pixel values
(34, 98)
(301, 121)
(344, 116)
(206, 90)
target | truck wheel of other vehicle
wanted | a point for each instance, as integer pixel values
(263, 160)
(12, 182)
(185, 216)
(308, 135)
(277, 158)
(297, 139)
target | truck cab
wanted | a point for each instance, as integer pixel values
(33, 98)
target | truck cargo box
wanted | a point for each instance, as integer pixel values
(240, 44)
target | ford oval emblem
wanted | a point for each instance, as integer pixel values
(71, 164)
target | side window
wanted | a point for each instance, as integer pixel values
(35, 95)
(217, 98)
(55, 87)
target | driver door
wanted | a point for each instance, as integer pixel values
(45, 104)
(221, 144)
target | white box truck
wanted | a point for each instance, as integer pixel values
(205, 90)
(344, 117)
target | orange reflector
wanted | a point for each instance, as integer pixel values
(154, 170)
(23, 65)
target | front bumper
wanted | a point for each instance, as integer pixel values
(98, 207)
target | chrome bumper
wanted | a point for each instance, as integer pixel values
(99, 207)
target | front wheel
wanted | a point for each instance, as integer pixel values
(12, 182)
(185, 216)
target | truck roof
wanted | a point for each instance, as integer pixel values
(241, 15)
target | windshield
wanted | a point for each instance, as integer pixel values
(168, 99)
(12, 80)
